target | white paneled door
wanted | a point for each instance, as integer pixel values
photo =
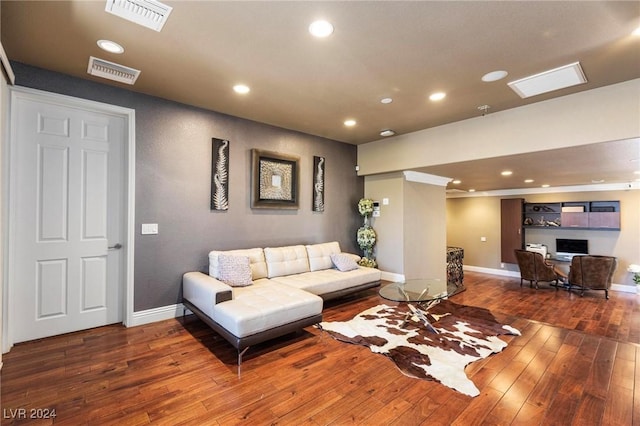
(67, 266)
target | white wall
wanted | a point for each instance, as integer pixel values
(425, 231)
(4, 137)
(470, 218)
(600, 115)
(389, 227)
(411, 229)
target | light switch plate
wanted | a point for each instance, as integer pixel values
(149, 228)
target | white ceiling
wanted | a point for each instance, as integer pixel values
(400, 49)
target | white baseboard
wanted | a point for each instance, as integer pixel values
(623, 288)
(157, 314)
(515, 274)
(491, 271)
(392, 276)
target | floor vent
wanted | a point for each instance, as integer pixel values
(112, 71)
(148, 13)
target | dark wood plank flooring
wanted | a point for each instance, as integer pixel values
(576, 363)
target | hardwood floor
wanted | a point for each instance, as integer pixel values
(577, 362)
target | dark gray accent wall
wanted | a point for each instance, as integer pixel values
(173, 185)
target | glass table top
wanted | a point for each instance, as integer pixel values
(416, 290)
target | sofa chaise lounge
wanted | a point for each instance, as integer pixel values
(258, 294)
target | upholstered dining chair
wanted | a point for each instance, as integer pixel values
(592, 272)
(533, 268)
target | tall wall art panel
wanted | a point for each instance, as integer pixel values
(219, 174)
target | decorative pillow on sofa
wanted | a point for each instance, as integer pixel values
(344, 262)
(256, 261)
(234, 270)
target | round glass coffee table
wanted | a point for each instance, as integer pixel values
(417, 290)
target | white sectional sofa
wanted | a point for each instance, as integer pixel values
(271, 291)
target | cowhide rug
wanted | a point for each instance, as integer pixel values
(464, 334)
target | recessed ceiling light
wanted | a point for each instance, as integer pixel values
(241, 88)
(597, 180)
(438, 96)
(321, 28)
(110, 46)
(528, 181)
(456, 181)
(386, 100)
(546, 185)
(472, 190)
(636, 32)
(387, 132)
(506, 173)
(350, 123)
(494, 76)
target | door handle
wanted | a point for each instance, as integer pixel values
(115, 247)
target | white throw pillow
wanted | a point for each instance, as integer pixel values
(234, 270)
(344, 262)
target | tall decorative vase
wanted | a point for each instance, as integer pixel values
(366, 236)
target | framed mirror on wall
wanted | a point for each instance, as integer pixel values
(274, 180)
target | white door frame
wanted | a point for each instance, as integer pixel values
(10, 190)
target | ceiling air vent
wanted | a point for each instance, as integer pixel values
(112, 71)
(148, 13)
(548, 81)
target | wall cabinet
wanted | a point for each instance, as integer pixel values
(542, 214)
(511, 235)
(516, 216)
(604, 220)
(574, 220)
(573, 215)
